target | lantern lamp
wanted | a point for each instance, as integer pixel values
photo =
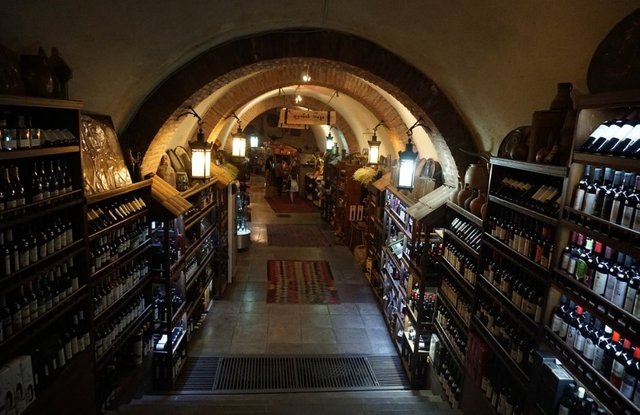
(238, 143)
(330, 142)
(374, 146)
(253, 141)
(200, 157)
(407, 162)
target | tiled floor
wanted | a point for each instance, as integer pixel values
(243, 323)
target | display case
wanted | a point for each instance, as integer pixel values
(243, 218)
(595, 274)
(44, 285)
(119, 243)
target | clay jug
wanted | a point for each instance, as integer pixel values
(463, 195)
(562, 101)
(483, 210)
(477, 175)
(453, 196)
(467, 202)
(476, 204)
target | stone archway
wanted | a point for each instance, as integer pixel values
(373, 63)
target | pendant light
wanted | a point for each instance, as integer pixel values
(330, 142)
(253, 141)
(239, 141)
(407, 162)
(200, 157)
(374, 146)
(200, 150)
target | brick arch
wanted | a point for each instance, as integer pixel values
(276, 102)
(373, 63)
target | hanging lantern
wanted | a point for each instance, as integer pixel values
(330, 142)
(253, 141)
(200, 157)
(407, 166)
(239, 144)
(374, 149)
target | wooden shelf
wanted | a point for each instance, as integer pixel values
(522, 262)
(465, 214)
(122, 301)
(397, 221)
(118, 225)
(192, 307)
(33, 271)
(25, 101)
(123, 337)
(194, 190)
(44, 209)
(616, 236)
(449, 344)
(458, 278)
(38, 152)
(123, 260)
(193, 220)
(194, 248)
(620, 163)
(545, 169)
(463, 325)
(623, 321)
(109, 194)
(514, 312)
(525, 211)
(200, 268)
(514, 369)
(462, 243)
(44, 321)
(594, 382)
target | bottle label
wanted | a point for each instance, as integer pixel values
(628, 383)
(636, 397)
(627, 215)
(555, 323)
(577, 202)
(579, 342)
(589, 349)
(613, 218)
(611, 283)
(597, 358)
(589, 202)
(600, 283)
(636, 306)
(581, 269)
(619, 293)
(563, 329)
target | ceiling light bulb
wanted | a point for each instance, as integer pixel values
(298, 99)
(306, 77)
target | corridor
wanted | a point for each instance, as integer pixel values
(243, 323)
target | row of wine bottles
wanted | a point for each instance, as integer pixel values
(449, 375)
(48, 179)
(497, 386)
(616, 359)
(162, 301)
(529, 237)
(511, 336)
(17, 132)
(461, 261)
(620, 137)
(35, 298)
(109, 333)
(457, 337)
(460, 302)
(109, 248)
(541, 194)
(37, 240)
(615, 277)
(524, 292)
(104, 215)
(118, 284)
(53, 353)
(614, 197)
(575, 401)
(468, 231)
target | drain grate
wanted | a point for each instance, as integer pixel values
(233, 374)
(268, 373)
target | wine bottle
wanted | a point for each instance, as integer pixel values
(617, 208)
(606, 135)
(621, 361)
(612, 348)
(631, 375)
(603, 341)
(624, 128)
(610, 194)
(602, 190)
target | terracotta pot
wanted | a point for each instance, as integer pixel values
(467, 202)
(477, 176)
(476, 204)
(463, 195)
(453, 196)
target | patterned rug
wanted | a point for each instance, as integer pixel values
(301, 282)
(282, 204)
(296, 235)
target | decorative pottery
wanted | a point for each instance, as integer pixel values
(477, 176)
(467, 202)
(476, 204)
(36, 74)
(562, 101)
(483, 210)
(515, 145)
(545, 131)
(453, 196)
(463, 195)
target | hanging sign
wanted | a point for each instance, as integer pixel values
(298, 116)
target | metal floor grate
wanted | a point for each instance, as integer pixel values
(290, 373)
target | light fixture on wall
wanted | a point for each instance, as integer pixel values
(330, 141)
(200, 150)
(253, 141)
(374, 146)
(407, 162)
(239, 141)
(305, 76)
